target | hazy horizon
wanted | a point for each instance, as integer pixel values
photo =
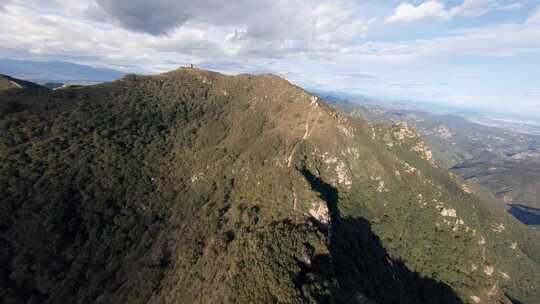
(477, 54)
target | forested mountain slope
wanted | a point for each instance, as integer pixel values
(501, 164)
(196, 187)
(10, 83)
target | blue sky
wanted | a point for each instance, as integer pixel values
(482, 54)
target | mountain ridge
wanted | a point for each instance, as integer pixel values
(200, 187)
(10, 83)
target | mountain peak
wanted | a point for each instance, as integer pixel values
(188, 70)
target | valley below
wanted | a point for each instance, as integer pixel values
(502, 164)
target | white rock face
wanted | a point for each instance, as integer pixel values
(482, 241)
(343, 174)
(475, 299)
(381, 188)
(404, 132)
(499, 228)
(408, 168)
(373, 135)
(353, 151)
(348, 131)
(197, 177)
(448, 212)
(514, 245)
(319, 211)
(343, 125)
(466, 189)
(488, 270)
(504, 275)
(425, 153)
(329, 159)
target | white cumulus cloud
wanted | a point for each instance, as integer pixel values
(180, 29)
(406, 12)
(409, 12)
(534, 18)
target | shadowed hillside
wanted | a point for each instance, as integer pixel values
(363, 268)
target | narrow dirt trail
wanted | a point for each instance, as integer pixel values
(308, 131)
(307, 134)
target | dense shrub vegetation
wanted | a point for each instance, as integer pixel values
(194, 187)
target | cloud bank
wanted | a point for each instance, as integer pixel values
(312, 42)
(406, 12)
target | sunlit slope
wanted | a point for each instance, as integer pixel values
(195, 187)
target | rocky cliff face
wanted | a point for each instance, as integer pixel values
(502, 165)
(196, 187)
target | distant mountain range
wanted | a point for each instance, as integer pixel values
(43, 72)
(517, 123)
